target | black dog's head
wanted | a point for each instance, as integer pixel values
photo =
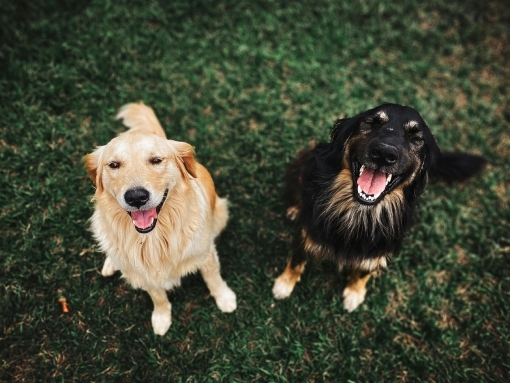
(385, 148)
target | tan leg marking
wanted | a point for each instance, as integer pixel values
(292, 212)
(284, 284)
(354, 292)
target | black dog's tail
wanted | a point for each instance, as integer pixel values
(457, 166)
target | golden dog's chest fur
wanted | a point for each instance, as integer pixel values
(176, 246)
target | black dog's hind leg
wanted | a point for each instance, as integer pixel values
(284, 284)
(292, 184)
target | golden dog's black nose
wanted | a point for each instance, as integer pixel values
(137, 197)
(383, 154)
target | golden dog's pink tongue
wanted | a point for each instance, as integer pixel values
(372, 181)
(143, 218)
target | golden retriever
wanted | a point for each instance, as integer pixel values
(156, 213)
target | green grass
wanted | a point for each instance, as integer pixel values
(248, 84)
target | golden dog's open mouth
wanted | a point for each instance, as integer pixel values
(145, 220)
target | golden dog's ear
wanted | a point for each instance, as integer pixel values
(92, 165)
(186, 154)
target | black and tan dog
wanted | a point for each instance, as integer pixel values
(353, 198)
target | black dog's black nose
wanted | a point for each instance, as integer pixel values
(136, 197)
(384, 154)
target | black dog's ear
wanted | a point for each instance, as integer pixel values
(343, 128)
(433, 153)
(432, 156)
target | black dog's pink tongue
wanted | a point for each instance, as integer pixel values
(142, 219)
(372, 181)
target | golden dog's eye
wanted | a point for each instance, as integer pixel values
(156, 160)
(114, 165)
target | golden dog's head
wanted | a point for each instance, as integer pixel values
(137, 170)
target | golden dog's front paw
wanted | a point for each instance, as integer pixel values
(353, 298)
(226, 300)
(161, 321)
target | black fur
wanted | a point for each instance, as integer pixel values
(457, 166)
(310, 177)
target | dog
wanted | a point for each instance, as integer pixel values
(156, 213)
(353, 198)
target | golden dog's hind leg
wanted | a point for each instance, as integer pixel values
(220, 215)
(108, 267)
(354, 292)
(161, 316)
(225, 298)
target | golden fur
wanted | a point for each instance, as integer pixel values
(182, 241)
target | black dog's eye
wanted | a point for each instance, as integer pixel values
(415, 134)
(377, 121)
(370, 123)
(114, 165)
(156, 160)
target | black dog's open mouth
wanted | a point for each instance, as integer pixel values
(145, 220)
(371, 185)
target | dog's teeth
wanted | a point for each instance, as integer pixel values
(361, 169)
(368, 197)
(388, 178)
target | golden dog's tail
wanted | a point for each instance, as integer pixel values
(220, 215)
(140, 117)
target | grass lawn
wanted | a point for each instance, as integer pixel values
(248, 84)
